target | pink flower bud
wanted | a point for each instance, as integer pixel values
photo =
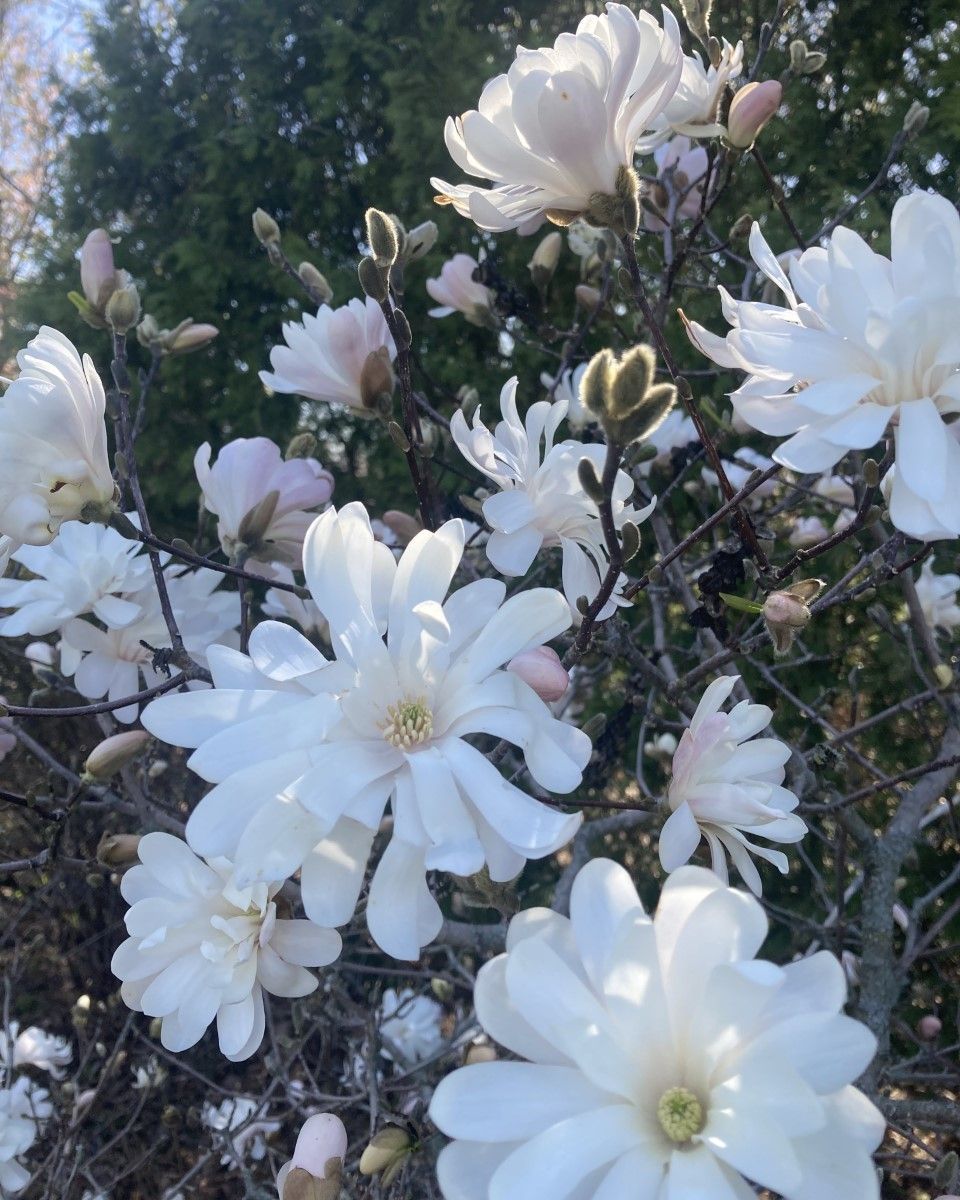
(97, 274)
(750, 109)
(321, 1139)
(192, 338)
(929, 1027)
(542, 669)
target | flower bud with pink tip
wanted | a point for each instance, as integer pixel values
(542, 669)
(750, 109)
(929, 1027)
(314, 1170)
(97, 272)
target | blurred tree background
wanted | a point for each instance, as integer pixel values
(187, 116)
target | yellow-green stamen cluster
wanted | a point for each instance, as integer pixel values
(680, 1114)
(408, 723)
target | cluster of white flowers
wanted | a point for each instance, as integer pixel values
(541, 502)
(938, 598)
(24, 1108)
(238, 1123)
(409, 1026)
(864, 341)
(34, 1047)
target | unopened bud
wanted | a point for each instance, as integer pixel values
(376, 378)
(149, 332)
(947, 1173)
(114, 753)
(192, 337)
(301, 445)
(786, 612)
(917, 116)
(97, 272)
(871, 472)
(929, 1027)
(123, 308)
(595, 726)
(265, 228)
(545, 259)
(814, 61)
(798, 52)
(587, 297)
(315, 1169)
(943, 675)
(740, 229)
(481, 1053)
(373, 280)
(385, 1153)
(542, 670)
(696, 13)
(419, 241)
(315, 282)
(750, 109)
(590, 480)
(630, 540)
(118, 849)
(382, 237)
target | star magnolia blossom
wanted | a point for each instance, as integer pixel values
(938, 598)
(241, 1130)
(568, 388)
(663, 1061)
(541, 502)
(34, 1047)
(53, 443)
(457, 291)
(560, 127)
(673, 433)
(409, 1025)
(694, 106)
(726, 786)
(109, 662)
(23, 1109)
(240, 488)
(864, 342)
(307, 751)
(201, 946)
(86, 569)
(324, 356)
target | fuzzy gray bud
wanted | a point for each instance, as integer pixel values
(382, 237)
(265, 228)
(123, 308)
(315, 283)
(373, 280)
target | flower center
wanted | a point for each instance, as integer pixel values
(680, 1114)
(408, 723)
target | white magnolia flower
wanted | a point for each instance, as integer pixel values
(682, 165)
(662, 1060)
(53, 443)
(807, 531)
(23, 1109)
(726, 786)
(561, 126)
(541, 503)
(456, 290)
(307, 752)
(86, 569)
(262, 501)
(695, 104)
(568, 388)
(34, 1047)
(288, 606)
(110, 662)
(324, 356)
(242, 1132)
(201, 946)
(673, 433)
(863, 342)
(148, 1076)
(938, 598)
(409, 1026)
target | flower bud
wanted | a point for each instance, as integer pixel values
(315, 282)
(385, 1153)
(929, 1027)
(798, 52)
(587, 297)
(917, 116)
(481, 1052)
(545, 258)
(542, 670)
(373, 280)
(149, 332)
(815, 61)
(785, 612)
(661, 748)
(696, 13)
(118, 849)
(97, 272)
(314, 1171)
(740, 229)
(382, 237)
(265, 228)
(255, 523)
(123, 308)
(113, 753)
(376, 378)
(419, 241)
(750, 109)
(947, 1173)
(188, 337)
(301, 445)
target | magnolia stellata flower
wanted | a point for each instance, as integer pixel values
(320, 1150)
(86, 569)
(726, 786)
(695, 105)
(542, 502)
(660, 1058)
(261, 500)
(306, 752)
(674, 432)
(201, 946)
(938, 598)
(556, 133)
(864, 342)
(34, 1047)
(53, 444)
(23, 1109)
(242, 1128)
(409, 1025)
(324, 356)
(456, 290)
(110, 661)
(680, 166)
(567, 388)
